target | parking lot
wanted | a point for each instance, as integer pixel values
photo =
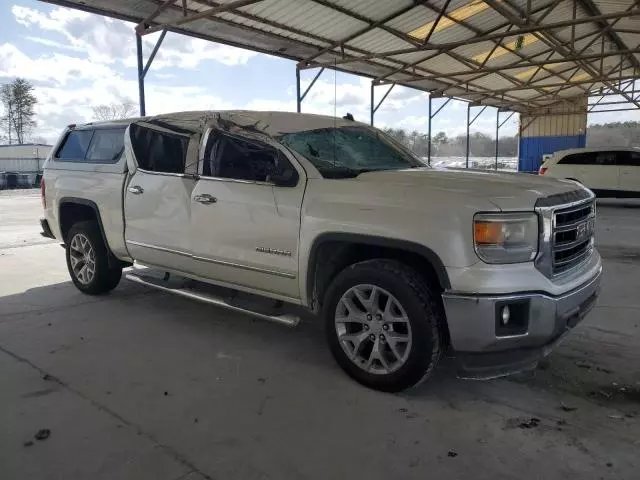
(143, 385)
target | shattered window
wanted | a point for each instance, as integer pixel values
(349, 151)
(231, 157)
(159, 151)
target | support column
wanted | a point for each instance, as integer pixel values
(371, 112)
(429, 134)
(495, 165)
(547, 131)
(375, 108)
(142, 70)
(469, 123)
(140, 76)
(298, 100)
(467, 149)
(299, 97)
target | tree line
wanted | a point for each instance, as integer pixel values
(480, 144)
(616, 134)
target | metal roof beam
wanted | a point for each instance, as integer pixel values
(477, 32)
(159, 9)
(362, 18)
(442, 11)
(555, 85)
(531, 63)
(549, 9)
(445, 47)
(553, 40)
(551, 51)
(372, 25)
(473, 64)
(196, 16)
(285, 28)
(593, 10)
(523, 22)
(606, 28)
(618, 91)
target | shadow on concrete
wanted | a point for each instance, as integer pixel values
(151, 326)
(234, 395)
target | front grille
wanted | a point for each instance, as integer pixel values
(572, 236)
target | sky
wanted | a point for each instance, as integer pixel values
(78, 60)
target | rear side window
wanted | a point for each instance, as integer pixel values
(75, 146)
(590, 158)
(629, 159)
(605, 158)
(106, 146)
(159, 151)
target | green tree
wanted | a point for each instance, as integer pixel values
(19, 104)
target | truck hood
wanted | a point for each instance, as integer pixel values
(508, 191)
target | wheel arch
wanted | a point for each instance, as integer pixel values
(336, 250)
(75, 209)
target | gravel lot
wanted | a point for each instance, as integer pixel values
(143, 385)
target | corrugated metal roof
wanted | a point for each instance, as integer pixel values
(492, 51)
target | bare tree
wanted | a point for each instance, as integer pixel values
(113, 111)
(19, 103)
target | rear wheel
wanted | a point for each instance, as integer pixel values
(88, 260)
(381, 321)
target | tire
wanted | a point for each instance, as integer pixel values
(84, 245)
(409, 362)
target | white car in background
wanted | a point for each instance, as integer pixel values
(609, 172)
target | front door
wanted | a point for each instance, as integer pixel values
(157, 197)
(245, 215)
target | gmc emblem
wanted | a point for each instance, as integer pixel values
(585, 229)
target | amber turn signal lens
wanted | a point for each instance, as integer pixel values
(488, 233)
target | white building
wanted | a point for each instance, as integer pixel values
(21, 165)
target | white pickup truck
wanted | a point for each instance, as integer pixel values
(264, 212)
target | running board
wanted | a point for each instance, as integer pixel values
(218, 301)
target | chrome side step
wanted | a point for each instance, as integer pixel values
(285, 319)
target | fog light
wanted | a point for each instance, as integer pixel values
(506, 314)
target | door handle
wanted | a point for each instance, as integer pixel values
(136, 189)
(205, 199)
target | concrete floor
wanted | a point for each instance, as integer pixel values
(144, 385)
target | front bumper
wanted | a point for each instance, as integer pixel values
(486, 348)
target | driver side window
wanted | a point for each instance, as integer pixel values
(243, 159)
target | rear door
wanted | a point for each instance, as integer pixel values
(602, 171)
(245, 214)
(595, 170)
(630, 172)
(157, 199)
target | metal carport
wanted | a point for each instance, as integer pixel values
(540, 58)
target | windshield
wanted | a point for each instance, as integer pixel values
(349, 151)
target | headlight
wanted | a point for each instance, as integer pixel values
(506, 237)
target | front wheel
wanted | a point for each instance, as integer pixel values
(382, 325)
(88, 260)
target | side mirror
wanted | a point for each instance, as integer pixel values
(288, 177)
(284, 175)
